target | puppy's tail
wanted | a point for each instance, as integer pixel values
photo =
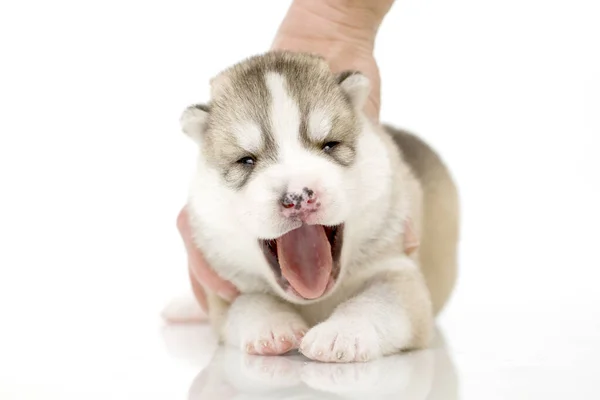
(183, 310)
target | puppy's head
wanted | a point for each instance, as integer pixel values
(281, 130)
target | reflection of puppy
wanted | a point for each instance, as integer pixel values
(302, 203)
(427, 374)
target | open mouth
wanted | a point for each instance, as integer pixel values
(306, 261)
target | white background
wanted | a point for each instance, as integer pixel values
(94, 169)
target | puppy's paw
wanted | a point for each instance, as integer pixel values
(273, 334)
(342, 340)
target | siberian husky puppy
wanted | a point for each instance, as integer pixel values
(310, 209)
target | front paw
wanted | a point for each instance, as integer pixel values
(341, 340)
(274, 334)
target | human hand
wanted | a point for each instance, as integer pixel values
(341, 31)
(201, 275)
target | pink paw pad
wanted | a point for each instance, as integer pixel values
(274, 344)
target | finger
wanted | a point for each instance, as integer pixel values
(198, 291)
(199, 267)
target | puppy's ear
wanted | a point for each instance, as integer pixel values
(356, 86)
(193, 120)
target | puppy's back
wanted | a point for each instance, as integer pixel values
(440, 219)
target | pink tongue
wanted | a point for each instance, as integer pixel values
(305, 259)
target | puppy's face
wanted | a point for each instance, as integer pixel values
(281, 130)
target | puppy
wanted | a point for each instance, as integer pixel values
(310, 209)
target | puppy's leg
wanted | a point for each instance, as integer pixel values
(261, 324)
(392, 313)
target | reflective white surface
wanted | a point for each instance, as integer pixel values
(540, 356)
(427, 374)
(94, 169)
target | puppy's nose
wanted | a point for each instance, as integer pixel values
(298, 201)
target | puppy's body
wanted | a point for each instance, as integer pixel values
(287, 159)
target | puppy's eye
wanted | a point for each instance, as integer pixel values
(330, 146)
(247, 161)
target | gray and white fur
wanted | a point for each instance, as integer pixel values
(277, 125)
